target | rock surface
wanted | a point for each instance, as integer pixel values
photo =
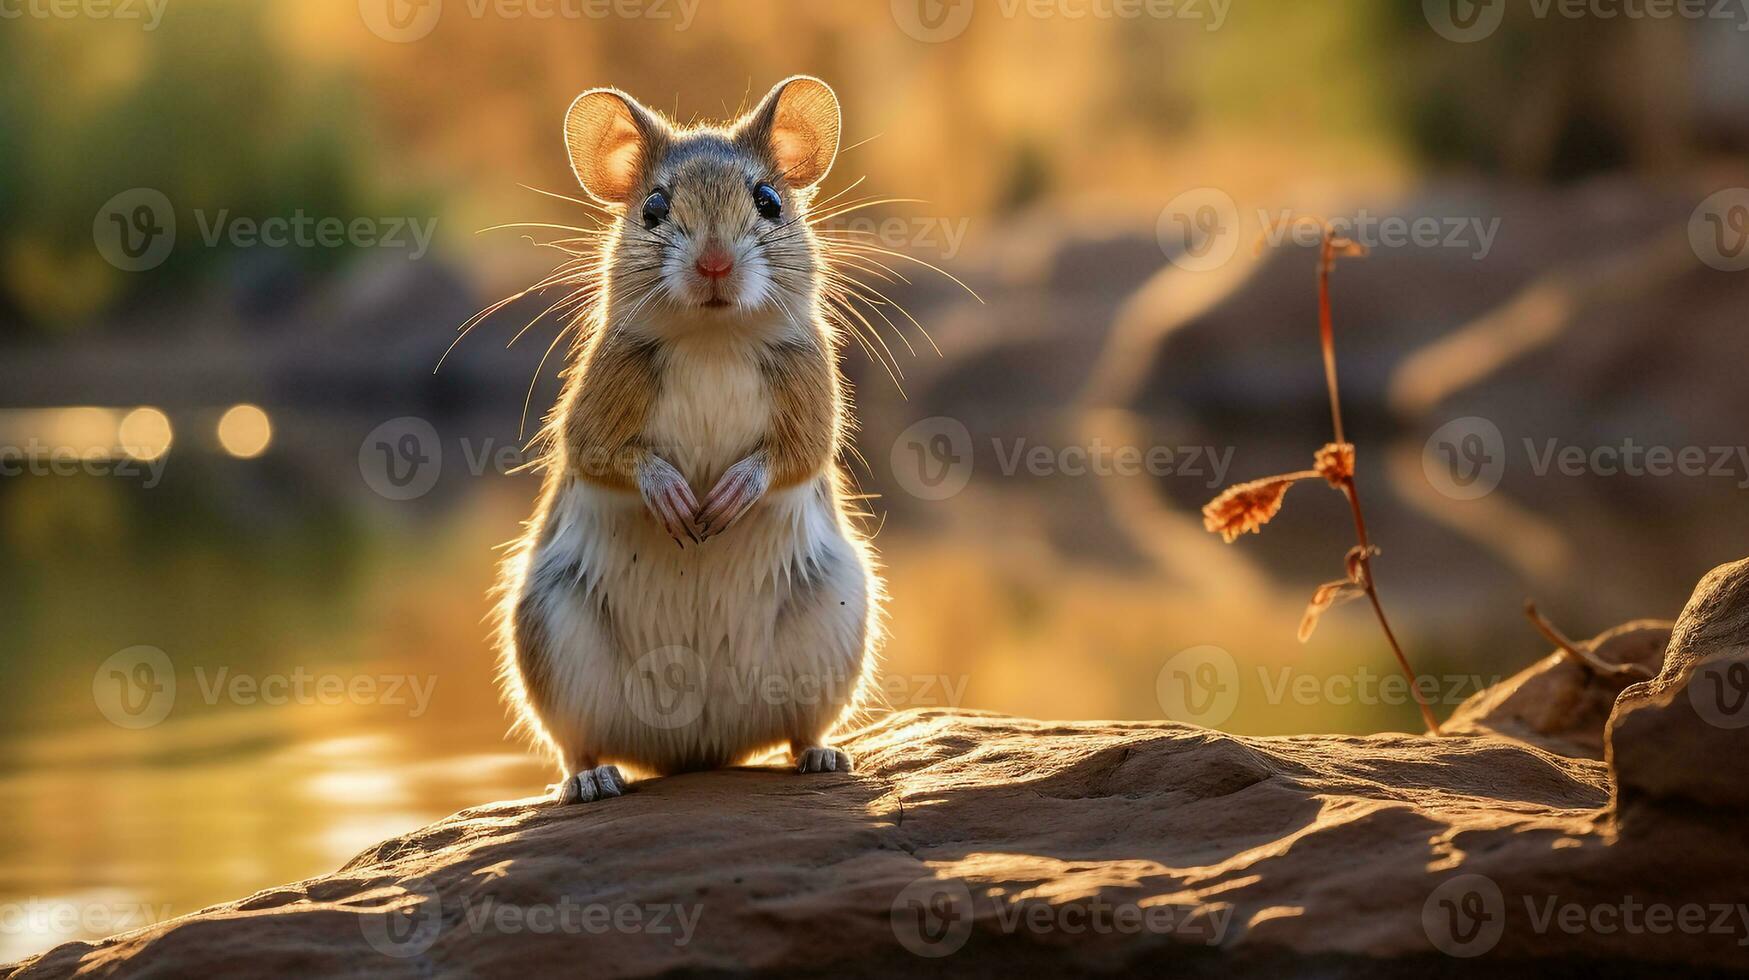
(1677, 742)
(1561, 705)
(978, 844)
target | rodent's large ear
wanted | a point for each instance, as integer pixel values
(797, 123)
(611, 138)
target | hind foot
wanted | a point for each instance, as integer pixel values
(818, 758)
(590, 785)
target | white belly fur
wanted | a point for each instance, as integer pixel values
(667, 659)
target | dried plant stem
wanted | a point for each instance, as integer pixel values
(1326, 333)
(1580, 655)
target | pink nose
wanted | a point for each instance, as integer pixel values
(715, 263)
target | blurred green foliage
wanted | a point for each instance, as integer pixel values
(208, 109)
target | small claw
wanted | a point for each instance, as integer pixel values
(589, 785)
(820, 759)
(732, 497)
(670, 500)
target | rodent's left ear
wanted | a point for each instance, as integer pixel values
(797, 123)
(612, 139)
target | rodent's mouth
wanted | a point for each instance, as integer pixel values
(715, 303)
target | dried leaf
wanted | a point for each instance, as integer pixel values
(1329, 594)
(1355, 562)
(1335, 463)
(1248, 506)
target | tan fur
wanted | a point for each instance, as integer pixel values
(607, 401)
(807, 408)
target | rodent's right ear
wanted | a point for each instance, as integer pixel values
(611, 139)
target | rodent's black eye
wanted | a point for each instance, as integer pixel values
(766, 199)
(655, 209)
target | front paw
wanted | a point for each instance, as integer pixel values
(590, 785)
(734, 495)
(819, 758)
(669, 499)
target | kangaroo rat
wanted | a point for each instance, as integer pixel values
(690, 590)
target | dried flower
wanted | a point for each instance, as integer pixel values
(1248, 506)
(1335, 463)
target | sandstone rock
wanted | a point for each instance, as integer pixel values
(970, 843)
(1559, 704)
(1680, 741)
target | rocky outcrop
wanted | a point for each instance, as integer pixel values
(978, 844)
(1679, 743)
(1560, 703)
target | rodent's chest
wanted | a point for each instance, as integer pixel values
(710, 411)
